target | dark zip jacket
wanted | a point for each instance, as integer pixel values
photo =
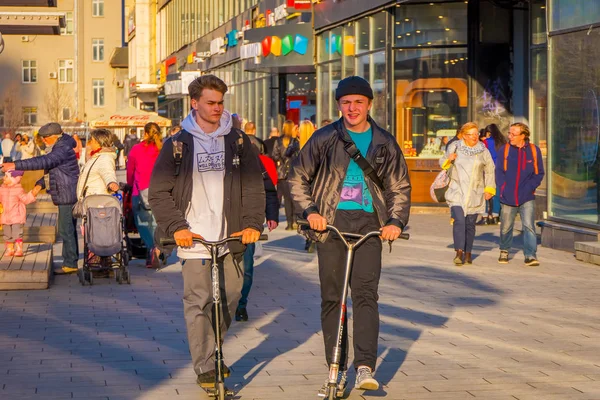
(518, 183)
(318, 174)
(170, 195)
(61, 166)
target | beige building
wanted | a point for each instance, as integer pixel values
(74, 77)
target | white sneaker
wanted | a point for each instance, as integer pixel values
(365, 380)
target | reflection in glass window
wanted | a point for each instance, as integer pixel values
(432, 24)
(538, 22)
(431, 98)
(567, 14)
(575, 126)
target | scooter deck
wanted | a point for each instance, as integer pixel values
(214, 392)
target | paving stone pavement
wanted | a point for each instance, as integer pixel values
(484, 331)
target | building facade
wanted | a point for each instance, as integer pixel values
(263, 50)
(66, 77)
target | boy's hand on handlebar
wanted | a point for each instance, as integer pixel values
(249, 235)
(184, 238)
(317, 222)
(390, 232)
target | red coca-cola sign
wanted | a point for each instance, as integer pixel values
(299, 4)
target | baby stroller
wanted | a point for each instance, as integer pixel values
(105, 248)
(135, 246)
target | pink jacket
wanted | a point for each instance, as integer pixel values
(14, 199)
(140, 163)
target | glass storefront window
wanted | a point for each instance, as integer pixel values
(431, 98)
(323, 82)
(349, 49)
(575, 126)
(433, 24)
(538, 22)
(363, 35)
(567, 14)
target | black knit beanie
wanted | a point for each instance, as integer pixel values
(353, 85)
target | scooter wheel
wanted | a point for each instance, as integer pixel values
(332, 394)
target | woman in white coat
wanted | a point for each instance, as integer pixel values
(472, 182)
(100, 169)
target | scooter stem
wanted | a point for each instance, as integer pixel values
(337, 351)
(217, 314)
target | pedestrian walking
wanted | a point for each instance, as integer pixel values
(207, 183)
(493, 141)
(519, 172)
(119, 147)
(130, 140)
(305, 131)
(330, 187)
(269, 172)
(284, 152)
(270, 142)
(99, 175)
(13, 201)
(7, 146)
(141, 162)
(60, 179)
(27, 148)
(15, 153)
(250, 130)
(472, 182)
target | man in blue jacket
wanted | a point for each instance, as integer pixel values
(519, 171)
(61, 175)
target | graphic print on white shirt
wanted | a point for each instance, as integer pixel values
(210, 162)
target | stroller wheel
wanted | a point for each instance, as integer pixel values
(125, 258)
(91, 278)
(81, 276)
(127, 276)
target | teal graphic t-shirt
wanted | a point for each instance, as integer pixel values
(355, 193)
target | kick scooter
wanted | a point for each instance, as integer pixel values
(352, 241)
(219, 392)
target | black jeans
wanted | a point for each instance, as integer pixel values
(283, 187)
(463, 229)
(67, 229)
(364, 284)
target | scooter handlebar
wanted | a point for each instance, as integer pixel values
(303, 222)
(171, 242)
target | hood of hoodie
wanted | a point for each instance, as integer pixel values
(209, 141)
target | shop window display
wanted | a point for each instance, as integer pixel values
(575, 126)
(431, 98)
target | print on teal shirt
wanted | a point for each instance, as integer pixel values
(355, 193)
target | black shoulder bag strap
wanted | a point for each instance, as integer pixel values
(177, 153)
(354, 154)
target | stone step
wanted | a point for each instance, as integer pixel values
(561, 236)
(588, 252)
(33, 271)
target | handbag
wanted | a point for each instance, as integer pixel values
(78, 209)
(440, 185)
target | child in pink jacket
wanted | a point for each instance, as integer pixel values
(12, 201)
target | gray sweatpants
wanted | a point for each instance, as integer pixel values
(12, 232)
(198, 304)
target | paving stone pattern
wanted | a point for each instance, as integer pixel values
(485, 331)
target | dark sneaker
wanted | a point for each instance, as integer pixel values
(365, 380)
(532, 262)
(341, 387)
(503, 259)
(207, 379)
(241, 314)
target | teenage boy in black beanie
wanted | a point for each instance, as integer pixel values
(330, 188)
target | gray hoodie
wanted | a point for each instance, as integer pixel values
(205, 213)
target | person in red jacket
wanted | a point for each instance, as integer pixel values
(269, 171)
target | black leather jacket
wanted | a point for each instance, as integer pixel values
(318, 174)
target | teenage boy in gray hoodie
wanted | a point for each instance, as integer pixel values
(207, 183)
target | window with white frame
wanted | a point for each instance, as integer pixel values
(30, 115)
(97, 8)
(68, 29)
(29, 69)
(98, 89)
(65, 71)
(66, 114)
(98, 49)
